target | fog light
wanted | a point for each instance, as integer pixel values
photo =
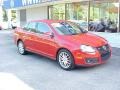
(91, 60)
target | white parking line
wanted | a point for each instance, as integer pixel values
(11, 82)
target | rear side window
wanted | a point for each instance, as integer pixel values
(26, 27)
(42, 28)
(32, 26)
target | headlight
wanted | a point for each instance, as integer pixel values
(87, 49)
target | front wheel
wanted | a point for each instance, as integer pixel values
(21, 48)
(65, 59)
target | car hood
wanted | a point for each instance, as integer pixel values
(86, 39)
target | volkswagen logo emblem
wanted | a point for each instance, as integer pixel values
(105, 48)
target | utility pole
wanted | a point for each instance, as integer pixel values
(88, 13)
(119, 17)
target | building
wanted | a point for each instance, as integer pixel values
(87, 10)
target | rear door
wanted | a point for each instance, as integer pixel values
(30, 38)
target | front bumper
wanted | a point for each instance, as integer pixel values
(101, 56)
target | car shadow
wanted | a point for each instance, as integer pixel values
(53, 63)
(42, 58)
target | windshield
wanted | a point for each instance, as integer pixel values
(67, 28)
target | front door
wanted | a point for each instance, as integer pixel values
(45, 43)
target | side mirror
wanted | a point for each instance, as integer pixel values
(51, 35)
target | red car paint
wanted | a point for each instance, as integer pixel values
(44, 45)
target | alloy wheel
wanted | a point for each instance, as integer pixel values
(21, 48)
(65, 59)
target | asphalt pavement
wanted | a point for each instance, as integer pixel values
(41, 73)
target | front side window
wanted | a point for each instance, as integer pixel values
(42, 28)
(67, 28)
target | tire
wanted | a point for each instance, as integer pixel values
(21, 48)
(65, 59)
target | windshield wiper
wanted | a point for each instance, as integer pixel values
(85, 31)
(74, 33)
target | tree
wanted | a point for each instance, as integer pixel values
(5, 17)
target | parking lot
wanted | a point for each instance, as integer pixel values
(41, 73)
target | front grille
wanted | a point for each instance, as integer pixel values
(105, 56)
(104, 51)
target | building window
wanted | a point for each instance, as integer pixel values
(106, 10)
(77, 11)
(87, 11)
(103, 9)
(57, 12)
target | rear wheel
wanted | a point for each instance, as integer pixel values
(21, 48)
(65, 59)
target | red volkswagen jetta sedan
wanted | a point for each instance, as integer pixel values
(63, 41)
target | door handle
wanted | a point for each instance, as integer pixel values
(24, 36)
